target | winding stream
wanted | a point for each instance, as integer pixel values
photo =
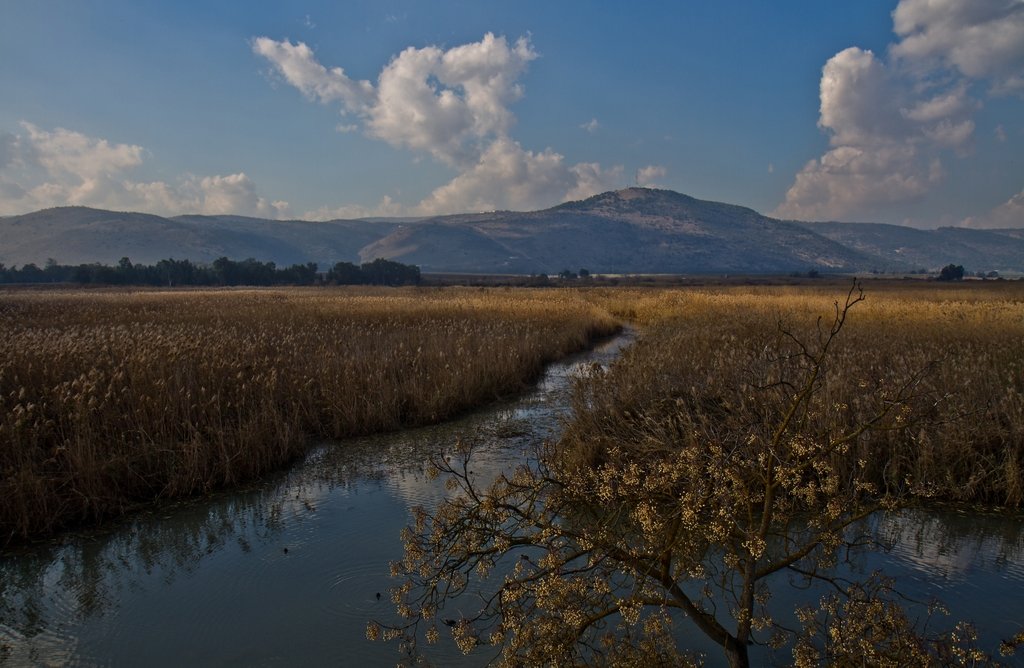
(288, 572)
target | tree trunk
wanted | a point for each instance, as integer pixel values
(737, 654)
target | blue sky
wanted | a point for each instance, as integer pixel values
(904, 112)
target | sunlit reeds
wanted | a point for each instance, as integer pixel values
(704, 351)
(111, 398)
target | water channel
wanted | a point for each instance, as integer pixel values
(288, 572)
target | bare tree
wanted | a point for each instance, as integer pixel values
(686, 505)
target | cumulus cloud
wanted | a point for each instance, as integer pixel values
(8, 147)
(443, 102)
(860, 101)
(850, 182)
(891, 123)
(295, 62)
(510, 177)
(1008, 214)
(453, 104)
(387, 207)
(875, 158)
(590, 178)
(647, 177)
(63, 152)
(982, 39)
(590, 126)
(235, 194)
(44, 168)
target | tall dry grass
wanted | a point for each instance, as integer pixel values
(707, 352)
(108, 399)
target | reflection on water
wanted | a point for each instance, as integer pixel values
(286, 572)
(289, 571)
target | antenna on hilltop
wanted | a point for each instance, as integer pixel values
(636, 179)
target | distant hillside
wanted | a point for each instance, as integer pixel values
(900, 248)
(635, 230)
(76, 235)
(628, 231)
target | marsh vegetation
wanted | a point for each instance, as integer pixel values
(736, 448)
(112, 398)
(743, 439)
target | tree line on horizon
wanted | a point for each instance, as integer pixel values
(221, 272)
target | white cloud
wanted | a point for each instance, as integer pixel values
(387, 207)
(860, 102)
(591, 178)
(590, 126)
(63, 152)
(453, 104)
(509, 177)
(849, 182)
(982, 39)
(942, 106)
(8, 148)
(62, 167)
(447, 103)
(236, 194)
(295, 62)
(891, 124)
(647, 177)
(876, 159)
(1007, 214)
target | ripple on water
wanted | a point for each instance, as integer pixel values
(213, 584)
(46, 648)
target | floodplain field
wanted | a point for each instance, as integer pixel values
(110, 398)
(740, 450)
(956, 350)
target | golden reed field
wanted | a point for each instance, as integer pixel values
(950, 356)
(112, 398)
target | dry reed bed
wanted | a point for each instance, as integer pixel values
(107, 399)
(705, 352)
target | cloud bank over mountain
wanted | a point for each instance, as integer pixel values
(893, 121)
(453, 104)
(40, 168)
(923, 130)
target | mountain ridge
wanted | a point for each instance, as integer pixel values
(634, 230)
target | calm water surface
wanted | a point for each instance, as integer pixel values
(288, 572)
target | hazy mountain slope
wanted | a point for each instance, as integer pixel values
(632, 230)
(903, 248)
(636, 230)
(441, 247)
(294, 241)
(984, 250)
(74, 235)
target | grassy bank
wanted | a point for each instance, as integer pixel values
(112, 398)
(709, 360)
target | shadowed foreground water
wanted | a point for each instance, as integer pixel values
(288, 572)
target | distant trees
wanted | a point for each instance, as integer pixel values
(388, 272)
(378, 272)
(344, 273)
(570, 275)
(951, 272)
(222, 271)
